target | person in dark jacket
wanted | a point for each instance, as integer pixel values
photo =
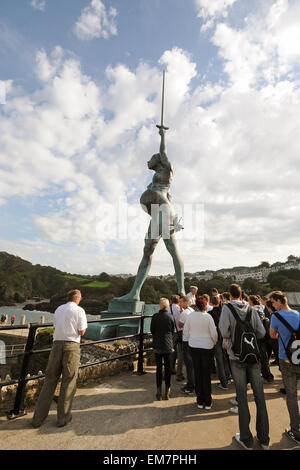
(162, 328)
(222, 359)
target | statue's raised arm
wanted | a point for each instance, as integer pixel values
(163, 149)
(162, 131)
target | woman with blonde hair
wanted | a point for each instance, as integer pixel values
(162, 328)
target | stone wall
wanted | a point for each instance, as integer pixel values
(86, 375)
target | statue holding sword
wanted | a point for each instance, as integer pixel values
(156, 201)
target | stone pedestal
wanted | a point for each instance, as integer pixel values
(132, 307)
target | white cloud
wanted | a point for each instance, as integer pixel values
(38, 4)
(96, 22)
(233, 145)
(211, 10)
(265, 50)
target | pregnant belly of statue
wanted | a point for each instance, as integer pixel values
(152, 197)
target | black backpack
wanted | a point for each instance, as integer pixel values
(292, 349)
(244, 345)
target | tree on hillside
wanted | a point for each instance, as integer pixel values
(252, 286)
(290, 285)
(276, 280)
(264, 264)
(104, 277)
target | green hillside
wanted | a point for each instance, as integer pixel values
(20, 280)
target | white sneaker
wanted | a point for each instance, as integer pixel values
(233, 401)
(237, 438)
(207, 408)
(235, 410)
(200, 407)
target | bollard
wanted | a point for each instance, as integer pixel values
(23, 319)
(42, 320)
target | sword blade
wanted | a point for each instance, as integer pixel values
(163, 100)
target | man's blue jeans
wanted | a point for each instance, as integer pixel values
(187, 359)
(222, 364)
(241, 374)
(291, 376)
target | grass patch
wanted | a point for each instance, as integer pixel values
(100, 284)
(75, 278)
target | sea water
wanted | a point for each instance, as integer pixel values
(32, 316)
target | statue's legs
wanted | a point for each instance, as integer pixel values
(171, 246)
(160, 226)
(144, 267)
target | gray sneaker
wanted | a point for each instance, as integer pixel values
(237, 438)
(233, 401)
(289, 433)
(222, 387)
(263, 446)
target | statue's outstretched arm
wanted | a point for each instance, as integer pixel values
(163, 149)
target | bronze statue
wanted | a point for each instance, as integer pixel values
(156, 201)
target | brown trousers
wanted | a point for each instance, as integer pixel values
(64, 360)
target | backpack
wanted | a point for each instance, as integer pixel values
(244, 345)
(292, 349)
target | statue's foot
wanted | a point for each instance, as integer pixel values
(128, 296)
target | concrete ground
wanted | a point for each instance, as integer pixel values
(121, 413)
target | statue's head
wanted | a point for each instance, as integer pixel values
(154, 163)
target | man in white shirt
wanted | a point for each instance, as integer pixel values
(192, 295)
(70, 324)
(187, 359)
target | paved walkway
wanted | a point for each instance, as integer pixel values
(123, 414)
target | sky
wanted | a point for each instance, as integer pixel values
(80, 94)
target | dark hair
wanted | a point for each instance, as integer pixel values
(235, 290)
(270, 306)
(215, 301)
(278, 295)
(206, 296)
(175, 299)
(254, 299)
(245, 296)
(200, 304)
(226, 295)
(185, 298)
(214, 289)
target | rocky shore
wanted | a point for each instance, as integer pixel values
(91, 306)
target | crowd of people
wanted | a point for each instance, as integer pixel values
(232, 334)
(235, 336)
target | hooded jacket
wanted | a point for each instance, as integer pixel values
(227, 324)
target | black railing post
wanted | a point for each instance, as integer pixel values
(140, 369)
(18, 409)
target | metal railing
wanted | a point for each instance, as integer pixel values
(18, 409)
(14, 350)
